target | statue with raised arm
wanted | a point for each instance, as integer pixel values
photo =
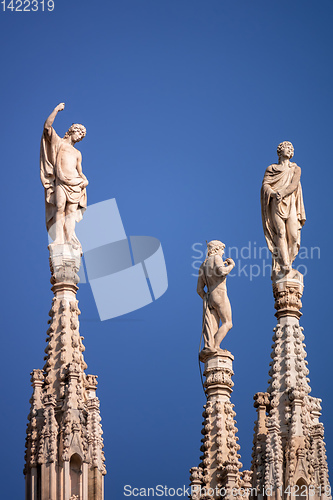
(63, 180)
(216, 306)
(282, 208)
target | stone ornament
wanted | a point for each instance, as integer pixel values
(261, 399)
(216, 306)
(282, 209)
(218, 376)
(64, 418)
(65, 261)
(220, 460)
(63, 180)
(288, 292)
(288, 444)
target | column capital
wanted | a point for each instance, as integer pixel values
(218, 373)
(287, 291)
(65, 263)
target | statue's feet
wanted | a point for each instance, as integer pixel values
(281, 273)
(206, 353)
(55, 243)
(75, 242)
(76, 245)
(219, 350)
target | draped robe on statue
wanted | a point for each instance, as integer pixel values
(52, 175)
(278, 178)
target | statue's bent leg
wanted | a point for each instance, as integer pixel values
(224, 312)
(210, 325)
(71, 210)
(292, 234)
(281, 249)
(59, 216)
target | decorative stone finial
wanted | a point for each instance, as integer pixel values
(261, 399)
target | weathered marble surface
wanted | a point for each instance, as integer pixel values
(63, 180)
(64, 444)
(282, 208)
(216, 305)
(218, 474)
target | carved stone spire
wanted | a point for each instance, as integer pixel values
(218, 474)
(289, 455)
(64, 445)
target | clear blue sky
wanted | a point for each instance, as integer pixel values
(185, 102)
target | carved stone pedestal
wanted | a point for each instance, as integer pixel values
(64, 445)
(289, 456)
(218, 473)
(287, 292)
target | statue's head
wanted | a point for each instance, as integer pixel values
(215, 247)
(285, 148)
(77, 131)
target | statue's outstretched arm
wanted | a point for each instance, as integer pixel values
(49, 121)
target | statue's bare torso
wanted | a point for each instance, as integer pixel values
(69, 158)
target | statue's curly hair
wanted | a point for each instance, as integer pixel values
(282, 145)
(76, 127)
(215, 246)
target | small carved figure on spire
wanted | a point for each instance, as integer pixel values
(63, 180)
(282, 208)
(216, 306)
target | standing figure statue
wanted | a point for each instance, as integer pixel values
(216, 306)
(282, 209)
(63, 180)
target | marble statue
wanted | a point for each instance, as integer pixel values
(63, 180)
(216, 306)
(282, 209)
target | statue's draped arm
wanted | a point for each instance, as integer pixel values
(49, 148)
(201, 281)
(294, 183)
(266, 194)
